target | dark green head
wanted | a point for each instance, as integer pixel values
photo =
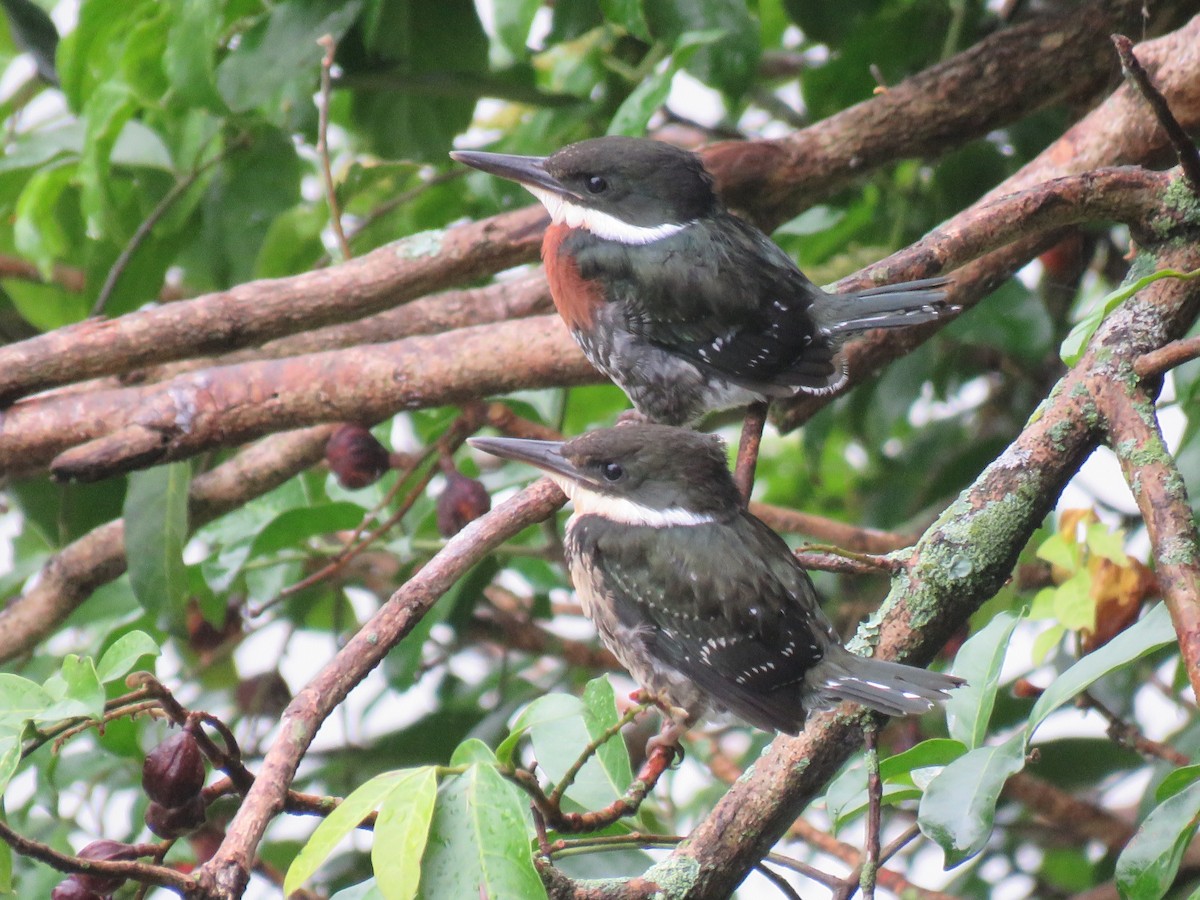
(637, 181)
(635, 471)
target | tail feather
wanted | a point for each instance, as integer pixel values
(888, 687)
(889, 306)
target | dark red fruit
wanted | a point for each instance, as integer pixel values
(103, 850)
(172, 822)
(464, 500)
(173, 773)
(73, 889)
(355, 457)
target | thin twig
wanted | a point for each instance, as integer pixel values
(591, 749)
(1173, 354)
(747, 457)
(335, 213)
(1185, 147)
(160, 876)
(870, 863)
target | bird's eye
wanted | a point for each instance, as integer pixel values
(596, 184)
(612, 472)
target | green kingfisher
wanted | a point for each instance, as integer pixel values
(701, 602)
(684, 305)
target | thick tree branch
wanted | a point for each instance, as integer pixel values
(1162, 497)
(252, 313)
(99, 434)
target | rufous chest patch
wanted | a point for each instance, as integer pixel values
(575, 298)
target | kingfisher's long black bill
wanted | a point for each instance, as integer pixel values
(546, 455)
(527, 171)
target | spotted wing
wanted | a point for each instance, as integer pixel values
(725, 297)
(724, 604)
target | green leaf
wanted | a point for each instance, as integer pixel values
(126, 650)
(1146, 867)
(846, 796)
(514, 18)
(10, 756)
(109, 108)
(478, 844)
(959, 806)
(1176, 782)
(38, 231)
(1109, 544)
(601, 703)
(1058, 551)
(627, 14)
(543, 710)
(401, 831)
(156, 527)
(1154, 630)
(365, 890)
(277, 63)
(633, 115)
(76, 690)
(1074, 607)
(1077, 339)
(344, 819)
(559, 738)
(190, 55)
(425, 62)
(979, 661)
(20, 701)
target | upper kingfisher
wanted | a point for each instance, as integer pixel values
(685, 306)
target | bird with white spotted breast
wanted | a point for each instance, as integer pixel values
(701, 602)
(684, 305)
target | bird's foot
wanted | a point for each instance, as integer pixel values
(632, 417)
(667, 742)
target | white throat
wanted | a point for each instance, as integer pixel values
(563, 211)
(624, 510)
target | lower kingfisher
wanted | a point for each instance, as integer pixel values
(703, 604)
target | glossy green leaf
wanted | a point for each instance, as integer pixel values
(1076, 341)
(20, 701)
(634, 113)
(344, 819)
(558, 742)
(1146, 867)
(76, 690)
(601, 703)
(156, 528)
(958, 809)
(904, 776)
(109, 108)
(401, 830)
(514, 18)
(189, 59)
(627, 14)
(979, 661)
(262, 72)
(1060, 551)
(10, 756)
(478, 843)
(39, 232)
(542, 711)
(1154, 630)
(126, 650)
(1176, 781)
(366, 890)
